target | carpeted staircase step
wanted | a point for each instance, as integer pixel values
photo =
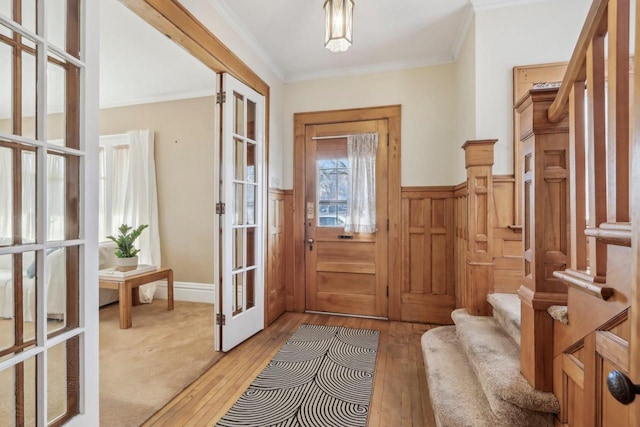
(506, 310)
(456, 396)
(495, 359)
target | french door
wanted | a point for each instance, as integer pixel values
(48, 213)
(242, 213)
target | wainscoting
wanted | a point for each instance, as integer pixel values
(434, 234)
(187, 291)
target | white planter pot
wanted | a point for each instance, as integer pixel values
(127, 264)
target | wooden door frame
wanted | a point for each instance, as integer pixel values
(392, 114)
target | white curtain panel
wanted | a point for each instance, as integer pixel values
(141, 201)
(361, 206)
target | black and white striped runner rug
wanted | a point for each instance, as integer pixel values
(322, 376)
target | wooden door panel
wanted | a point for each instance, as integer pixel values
(363, 284)
(362, 305)
(614, 413)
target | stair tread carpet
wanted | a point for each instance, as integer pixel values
(506, 310)
(495, 359)
(456, 396)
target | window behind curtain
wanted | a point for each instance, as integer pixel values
(114, 162)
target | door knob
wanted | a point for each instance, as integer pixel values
(309, 240)
(621, 387)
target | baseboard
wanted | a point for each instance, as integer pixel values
(187, 291)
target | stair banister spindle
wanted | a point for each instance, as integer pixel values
(577, 178)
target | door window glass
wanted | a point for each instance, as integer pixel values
(332, 191)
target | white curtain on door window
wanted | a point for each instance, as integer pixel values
(361, 205)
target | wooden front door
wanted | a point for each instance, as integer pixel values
(345, 272)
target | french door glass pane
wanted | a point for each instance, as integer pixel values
(238, 305)
(6, 8)
(251, 283)
(6, 84)
(238, 215)
(6, 196)
(251, 247)
(28, 196)
(239, 160)
(56, 197)
(238, 242)
(57, 381)
(251, 120)
(29, 292)
(29, 14)
(251, 162)
(28, 95)
(251, 204)
(29, 391)
(57, 22)
(7, 398)
(56, 95)
(7, 325)
(239, 113)
(57, 284)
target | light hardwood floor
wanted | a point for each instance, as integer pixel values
(400, 395)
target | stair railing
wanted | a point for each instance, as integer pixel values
(599, 151)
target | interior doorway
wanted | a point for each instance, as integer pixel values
(338, 271)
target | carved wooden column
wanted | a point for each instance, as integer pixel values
(479, 268)
(545, 156)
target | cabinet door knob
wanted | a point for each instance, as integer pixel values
(621, 387)
(310, 240)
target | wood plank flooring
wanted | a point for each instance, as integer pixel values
(400, 395)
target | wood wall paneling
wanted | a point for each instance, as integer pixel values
(460, 243)
(428, 263)
(276, 276)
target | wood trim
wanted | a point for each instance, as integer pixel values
(431, 190)
(614, 348)
(176, 22)
(576, 70)
(390, 113)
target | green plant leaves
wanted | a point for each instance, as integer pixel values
(125, 238)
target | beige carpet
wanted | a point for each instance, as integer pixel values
(143, 367)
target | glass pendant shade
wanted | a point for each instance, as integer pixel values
(338, 31)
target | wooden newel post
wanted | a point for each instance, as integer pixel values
(479, 268)
(546, 234)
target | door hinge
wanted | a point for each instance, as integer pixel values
(387, 225)
(387, 140)
(221, 97)
(387, 290)
(221, 319)
(220, 208)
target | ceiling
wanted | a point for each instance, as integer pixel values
(387, 34)
(139, 64)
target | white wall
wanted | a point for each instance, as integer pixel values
(465, 129)
(225, 33)
(518, 35)
(427, 96)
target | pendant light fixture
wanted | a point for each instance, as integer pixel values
(338, 25)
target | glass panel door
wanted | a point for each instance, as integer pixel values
(242, 193)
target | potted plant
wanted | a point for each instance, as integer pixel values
(127, 254)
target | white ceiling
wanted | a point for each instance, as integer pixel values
(139, 64)
(386, 35)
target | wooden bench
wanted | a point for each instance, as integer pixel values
(129, 295)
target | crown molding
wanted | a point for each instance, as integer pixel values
(495, 4)
(160, 98)
(370, 69)
(463, 29)
(232, 19)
